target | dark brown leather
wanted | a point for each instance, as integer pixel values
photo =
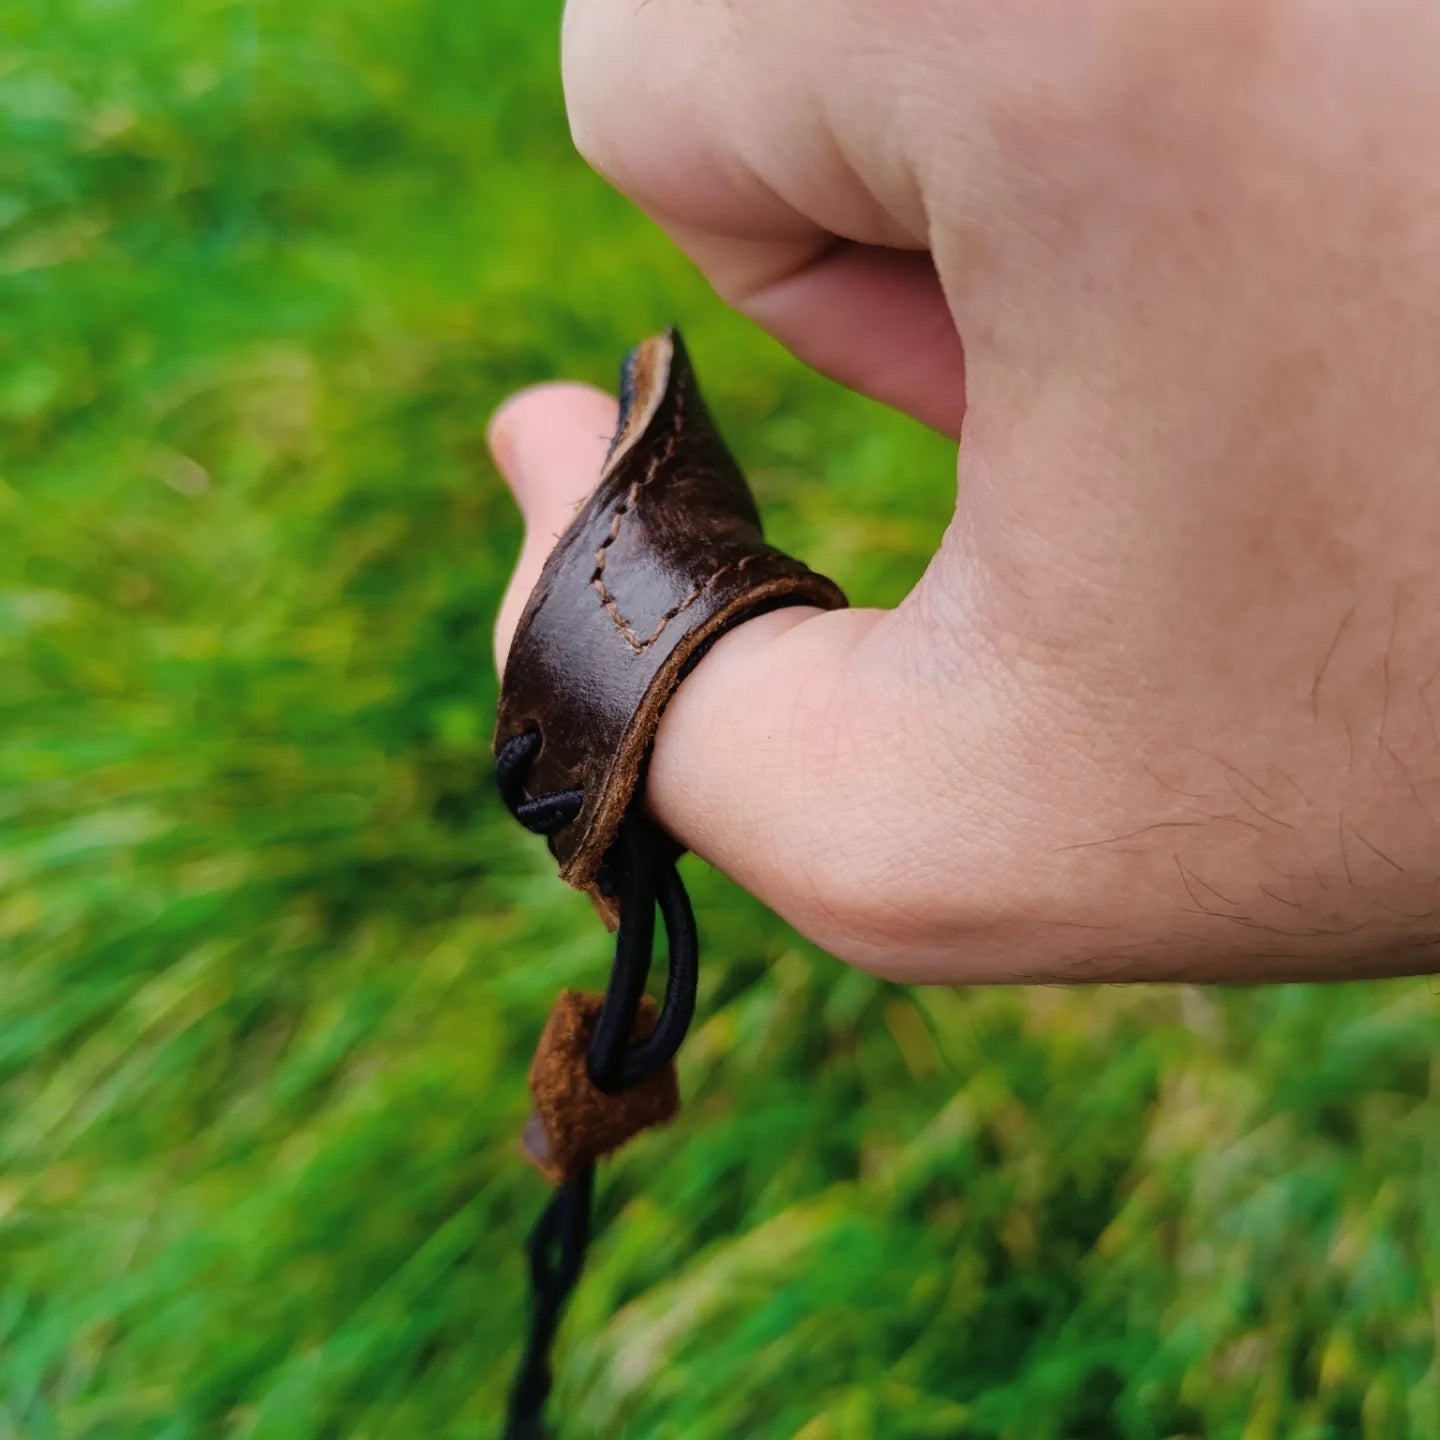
(574, 1124)
(664, 556)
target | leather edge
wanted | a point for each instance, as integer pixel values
(627, 767)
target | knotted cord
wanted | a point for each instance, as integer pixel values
(640, 874)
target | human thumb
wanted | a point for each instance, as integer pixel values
(782, 759)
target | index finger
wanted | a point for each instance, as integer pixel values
(769, 142)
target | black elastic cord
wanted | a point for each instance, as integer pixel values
(557, 1253)
(545, 814)
(633, 875)
(512, 765)
(681, 982)
(640, 874)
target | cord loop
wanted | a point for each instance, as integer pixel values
(640, 872)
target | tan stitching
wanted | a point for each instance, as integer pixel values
(635, 641)
(608, 601)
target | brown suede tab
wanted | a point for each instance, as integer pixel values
(664, 556)
(573, 1123)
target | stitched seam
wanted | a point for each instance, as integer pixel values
(608, 601)
(637, 643)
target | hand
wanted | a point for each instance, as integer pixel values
(1165, 703)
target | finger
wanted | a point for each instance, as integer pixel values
(802, 799)
(549, 443)
(785, 176)
(875, 319)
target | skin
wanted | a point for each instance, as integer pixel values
(1166, 704)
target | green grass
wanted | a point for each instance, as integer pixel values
(274, 959)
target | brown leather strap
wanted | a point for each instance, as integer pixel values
(664, 556)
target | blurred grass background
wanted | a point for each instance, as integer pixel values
(274, 959)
